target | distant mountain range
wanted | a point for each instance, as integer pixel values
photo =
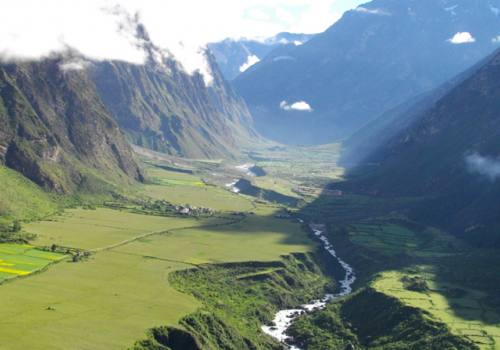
(448, 154)
(236, 56)
(376, 57)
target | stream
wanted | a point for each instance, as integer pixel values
(284, 318)
(247, 170)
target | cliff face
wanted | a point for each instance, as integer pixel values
(161, 107)
(55, 130)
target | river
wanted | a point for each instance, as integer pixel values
(284, 318)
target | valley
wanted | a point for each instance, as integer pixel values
(123, 285)
(135, 253)
(278, 175)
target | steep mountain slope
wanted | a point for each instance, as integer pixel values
(358, 147)
(375, 58)
(449, 154)
(236, 56)
(162, 107)
(55, 130)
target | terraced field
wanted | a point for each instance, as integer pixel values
(462, 309)
(21, 260)
(387, 238)
(390, 238)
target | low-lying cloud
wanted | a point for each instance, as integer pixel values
(486, 166)
(376, 11)
(34, 29)
(251, 60)
(301, 106)
(74, 64)
(462, 38)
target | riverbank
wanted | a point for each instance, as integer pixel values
(284, 319)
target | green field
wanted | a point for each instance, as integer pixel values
(288, 167)
(21, 260)
(110, 300)
(462, 309)
(387, 238)
(181, 189)
(97, 229)
(404, 238)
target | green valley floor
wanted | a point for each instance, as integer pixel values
(185, 251)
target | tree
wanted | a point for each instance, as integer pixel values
(16, 226)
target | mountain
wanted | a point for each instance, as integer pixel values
(55, 130)
(66, 121)
(162, 107)
(236, 56)
(376, 57)
(359, 146)
(449, 155)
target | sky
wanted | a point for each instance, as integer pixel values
(101, 29)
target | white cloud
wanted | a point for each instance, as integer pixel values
(496, 39)
(379, 12)
(296, 106)
(74, 64)
(283, 58)
(486, 166)
(462, 38)
(32, 29)
(251, 60)
(451, 10)
(495, 10)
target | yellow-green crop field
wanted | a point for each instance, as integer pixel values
(21, 260)
(464, 314)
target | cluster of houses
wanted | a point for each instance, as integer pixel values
(164, 207)
(193, 211)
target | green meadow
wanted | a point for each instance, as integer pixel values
(97, 229)
(181, 189)
(111, 299)
(22, 199)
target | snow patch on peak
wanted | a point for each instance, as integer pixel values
(251, 60)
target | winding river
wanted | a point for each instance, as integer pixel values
(284, 318)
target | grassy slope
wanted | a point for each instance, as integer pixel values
(463, 310)
(247, 295)
(372, 320)
(22, 199)
(386, 247)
